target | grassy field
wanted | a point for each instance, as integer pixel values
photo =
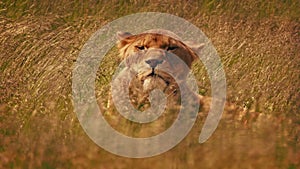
(259, 45)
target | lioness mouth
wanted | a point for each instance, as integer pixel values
(156, 75)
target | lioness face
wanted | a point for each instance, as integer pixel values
(148, 54)
(156, 61)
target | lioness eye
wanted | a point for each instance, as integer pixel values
(140, 47)
(172, 47)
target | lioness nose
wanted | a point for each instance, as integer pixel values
(153, 62)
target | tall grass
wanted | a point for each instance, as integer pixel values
(79, 8)
(258, 42)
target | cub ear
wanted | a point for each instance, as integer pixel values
(123, 35)
(196, 47)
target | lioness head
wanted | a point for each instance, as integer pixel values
(151, 56)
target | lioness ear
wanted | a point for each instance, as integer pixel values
(123, 35)
(196, 47)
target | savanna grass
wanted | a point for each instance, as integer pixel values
(258, 42)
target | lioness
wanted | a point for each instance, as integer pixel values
(158, 59)
(150, 63)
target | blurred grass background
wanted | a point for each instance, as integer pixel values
(258, 42)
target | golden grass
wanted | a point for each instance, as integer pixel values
(258, 42)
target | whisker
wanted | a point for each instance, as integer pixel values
(169, 95)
